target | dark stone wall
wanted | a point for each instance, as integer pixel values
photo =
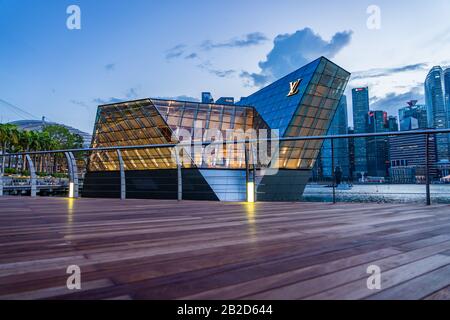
(148, 184)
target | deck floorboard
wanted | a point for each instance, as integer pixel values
(152, 249)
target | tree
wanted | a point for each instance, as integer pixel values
(63, 138)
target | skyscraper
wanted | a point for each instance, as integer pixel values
(412, 117)
(377, 147)
(207, 97)
(339, 126)
(447, 94)
(392, 123)
(225, 100)
(360, 98)
(436, 109)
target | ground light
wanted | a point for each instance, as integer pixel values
(71, 190)
(251, 192)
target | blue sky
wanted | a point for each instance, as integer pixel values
(139, 48)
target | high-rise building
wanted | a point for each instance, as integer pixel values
(436, 109)
(392, 123)
(377, 147)
(207, 97)
(339, 126)
(447, 93)
(414, 116)
(360, 98)
(408, 161)
(225, 101)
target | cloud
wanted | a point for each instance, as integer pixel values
(207, 66)
(181, 51)
(383, 72)
(131, 93)
(111, 100)
(291, 51)
(250, 39)
(175, 52)
(180, 98)
(79, 103)
(110, 66)
(392, 101)
(191, 56)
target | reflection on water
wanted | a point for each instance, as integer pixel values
(383, 193)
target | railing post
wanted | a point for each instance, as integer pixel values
(427, 168)
(333, 171)
(32, 176)
(1, 184)
(249, 185)
(73, 175)
(179, 175)
(2, 171)
(123, 183)
(255, 161)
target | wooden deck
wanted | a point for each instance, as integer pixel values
(147, 249)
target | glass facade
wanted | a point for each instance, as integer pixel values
(307, 113)
(360, 98)
(339, 126)
(437, 113)
(156, 121)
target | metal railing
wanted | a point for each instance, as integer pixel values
(73, 171)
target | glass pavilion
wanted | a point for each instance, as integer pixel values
(302, 103)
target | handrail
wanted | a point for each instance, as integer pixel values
(207, 143)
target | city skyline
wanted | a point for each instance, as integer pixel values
(108, 60)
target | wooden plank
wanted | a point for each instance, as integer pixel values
(152, 249)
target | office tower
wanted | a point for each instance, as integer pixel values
(447, 94)
(377, 147)
(392, 123)
(413, 117)
(360, 98)
(436, 109)
(408, 161)
(339, 126)
(207, 97)
(225, 101)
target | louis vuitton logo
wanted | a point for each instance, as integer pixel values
(294, 87)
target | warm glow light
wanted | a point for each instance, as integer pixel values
(71, 190)
(251, 192)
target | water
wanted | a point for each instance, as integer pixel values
(383, 193)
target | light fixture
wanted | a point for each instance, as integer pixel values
(250, 192)
(71, 190)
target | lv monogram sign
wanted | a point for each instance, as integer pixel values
(294, 87)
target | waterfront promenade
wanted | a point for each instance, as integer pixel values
(151, 249)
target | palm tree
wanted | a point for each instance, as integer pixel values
(9, 138)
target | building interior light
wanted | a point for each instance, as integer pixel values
(71, 190)
(251, 192)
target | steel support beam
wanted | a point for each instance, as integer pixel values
(32, 176)
(123, 183)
